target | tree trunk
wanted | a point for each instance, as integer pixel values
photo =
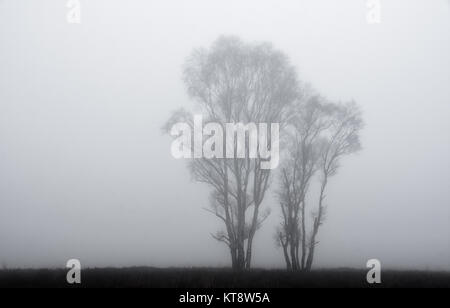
(309, 261)
(285, 252)
(303, 237)
(317, 222)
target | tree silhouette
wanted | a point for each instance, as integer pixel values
(237, 82)
(320, 133)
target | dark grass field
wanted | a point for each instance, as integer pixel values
(146, 277)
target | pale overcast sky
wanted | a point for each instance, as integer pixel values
(86, 173)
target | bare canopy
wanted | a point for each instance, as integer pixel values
(320, 133)
(237, 82)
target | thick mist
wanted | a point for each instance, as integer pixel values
(86, 173)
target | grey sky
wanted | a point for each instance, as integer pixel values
(86, 173)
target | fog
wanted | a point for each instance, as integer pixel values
(86, 173)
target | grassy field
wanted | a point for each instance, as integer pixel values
(218, 278)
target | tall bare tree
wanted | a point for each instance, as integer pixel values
(237, 82)
(320, 133)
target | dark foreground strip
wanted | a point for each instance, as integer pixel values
(374, 297)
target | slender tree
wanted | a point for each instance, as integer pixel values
(343, 139)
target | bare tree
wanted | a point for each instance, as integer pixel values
(237, 82)
(320, 133)
(343, 139)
